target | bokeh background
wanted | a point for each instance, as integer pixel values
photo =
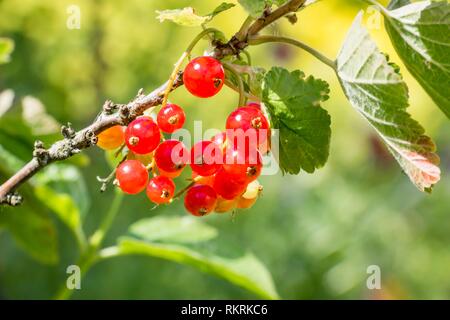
(317, 234)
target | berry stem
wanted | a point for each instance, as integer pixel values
(91, 255)
(185, 54)
(249, 96)
(256, 40)
(230, 68)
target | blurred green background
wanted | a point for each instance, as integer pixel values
(317, 234)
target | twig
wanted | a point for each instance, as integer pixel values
(255, 40)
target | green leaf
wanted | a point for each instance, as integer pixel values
(379, 94)
(420, 33)
(172, 229)
(254, 7)
(293, 103)
(6, 48)
(184, 17)
(187, 16)
(6, 100)
(224, 6)
(33, 230)
(62, 189)
(30, 226)
(187, 241)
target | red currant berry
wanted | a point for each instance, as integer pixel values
(200, 200)
(170, 118)
(247, 125)
(132, 176)
(204, 77)
(208, 180)
(171, 156)
(206, 158)
(171, 175)
(142, 135)
(243, 163)
(220, 139)
(160, 190)
(229, 186)
(255, 105)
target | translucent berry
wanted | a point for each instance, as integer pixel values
(145, 159)
(249, 197)
(221, 140)
(206, 158)
(200, 200)
(111, 138)
(132, 176)
(224, 205)
(172, 175)
(247, 125)
(171, 118)
(171, 156)
(142, 135)
(204, 77)
(243, 163)
(208, 180)
(229, 186)
(160, 190)
(255, 105)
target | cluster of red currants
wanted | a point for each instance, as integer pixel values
(224, 169)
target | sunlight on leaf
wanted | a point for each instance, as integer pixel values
(187, 241)
(420, 33)
(172, 229)
(293, 102)
(378, 93)
(6, 48)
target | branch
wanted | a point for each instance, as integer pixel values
(114, 114)
(74, 142)
(239, 42)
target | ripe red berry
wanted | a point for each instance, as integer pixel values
(171, 156)
(200, 200)
(221, 140)
(142, 135)
(204, 76)
(171, 175)
(229, 186)
(247, 125)
(255, 105)
(132, 176)
(243, 163)
(160, 190)
(208, 180)
(171, 118)
(206, 158)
